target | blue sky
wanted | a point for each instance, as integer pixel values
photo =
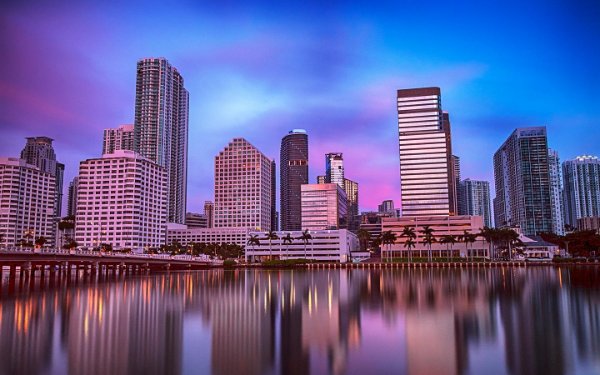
(259, 69)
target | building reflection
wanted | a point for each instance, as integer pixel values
(539, 321)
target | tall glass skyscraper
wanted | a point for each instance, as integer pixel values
(582, 188)
(334, 168)
(426, 164)
(293, 169)
(39, 151)
(556, 192)
(522, 179)
(161, 127)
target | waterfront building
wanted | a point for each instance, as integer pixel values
(371, 222)
(556, 193)
(334, 168)
(121, 201)
(522, 179)
(441, 225)
(581, 188)
(476, 199)
(293, 173)
(195, 220)
(72, 196)
(324, 206)
(243, 187)
(387, 207)
(589, 223)
(27, 202)
(209, 212)
(116, 139)
(324, 245)
(187, 235)
(39, 151)
(161, 127)
(351, 189)
(426, 166)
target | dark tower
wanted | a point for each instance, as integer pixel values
(293, 168)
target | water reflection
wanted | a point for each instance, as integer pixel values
(497, 321)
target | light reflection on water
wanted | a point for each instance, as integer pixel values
(492, 321)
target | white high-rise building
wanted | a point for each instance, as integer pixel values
(556, 192)
(27, 202)
(121, 201)
(426, 164)
(476, 199)
(582, 188)
(334, 168)
(120, 138)
(323, 206)
(161, 127)
(243, 187)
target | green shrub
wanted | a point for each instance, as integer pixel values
(229, 263)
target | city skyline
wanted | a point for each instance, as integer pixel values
(332, 90)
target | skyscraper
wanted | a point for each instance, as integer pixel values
(351, 189)
(121, 201)
(293, 168)
(582, 188)
(460, 204)
(38, 151)
(274, 215)
(334, 168)
(556, 192)
(209, 212)
(476, 199)
(161, 127)
(29, 191)
(72, 196)
(386, 206)
(426, 166)
(242, 187)
(121, 138)
(324, 206)
(522, 181)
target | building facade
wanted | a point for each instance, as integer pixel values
(522, 179)
(195, 220)
(243, 187)
(460, 203)
(476, 199)
(556, 193)
(161, 127)
(39, 151)
(274, 214)
(581, 188)
(387, 206)
(293, 168)
(121, 201)
(72, 196)
(324, 206)
(209, 212)
(115, 139)
(27, 203)
(324, 245)
(426, 166)
(334, 168)
(351, 189)
(187, 235)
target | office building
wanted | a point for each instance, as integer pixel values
(38, 151)
(293, 168)
(351, 189)
(27, 202)
(72, 196)
(274, 214)
(522, 182)
(589, 223)
(476, 199)
(121, 201)
(186, 235)
(115, 139)
(426, 166)
(324, 206)
(556, 193)
(581, 188)
(161, 127)
(243, 187)
(387, 206)
(209, 212)
(334, 168)
(460, 204)
(195, 220)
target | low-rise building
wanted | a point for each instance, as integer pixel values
(323, 206)
(324, 245)
(186, 235)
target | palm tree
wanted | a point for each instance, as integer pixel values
(409, 232)
(428, 238)
(410, 244)
(40, 241)
(468, 238)
(363, 238)
(305, 237)
(449, 240)
(253, 241)
(376, 242)
(388, 238)
(287, 240)
(271, 235)
(488, 235)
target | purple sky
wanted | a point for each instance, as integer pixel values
(257, 71)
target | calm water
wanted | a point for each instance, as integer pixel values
(499, 321)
